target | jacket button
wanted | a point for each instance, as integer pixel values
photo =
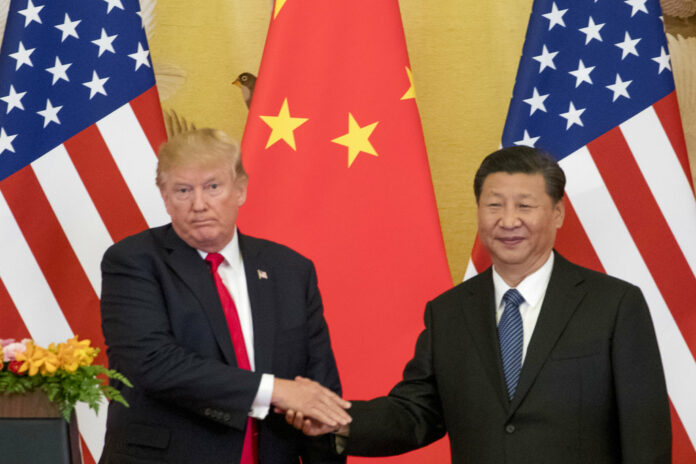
(510, 428)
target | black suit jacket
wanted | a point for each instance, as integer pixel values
(166, 331)
(591, 388)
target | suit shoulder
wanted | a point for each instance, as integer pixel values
(143, 242)
(273, 250)
(594, 278)
(469, 286)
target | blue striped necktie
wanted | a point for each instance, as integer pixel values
(510, 335)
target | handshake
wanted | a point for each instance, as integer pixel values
(309, 407)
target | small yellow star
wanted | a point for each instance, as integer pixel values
(357, 139)
(282, 126)
(278, 5)
(411, 92)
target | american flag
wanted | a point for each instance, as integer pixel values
(595, 88)
(80, 122)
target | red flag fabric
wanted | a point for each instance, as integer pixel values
(338, 171)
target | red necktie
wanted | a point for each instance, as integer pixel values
(249, 451)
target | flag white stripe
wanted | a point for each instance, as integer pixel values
(26, 284)
(135, 159)
(92, 427)
(665, 177)
(620, 257)
(74, 210)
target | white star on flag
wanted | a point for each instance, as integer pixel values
(6, 141)
(50, 113)
(105, 42)
(13, 99)
(546, 59)
(637, 5)
(140, 57)
(527, 140)
(31, 13)
(582, 74)
(628, 46)
(96, 85)
(572, 116)
(113, 4)
(663, 60)
(536, 102)
(22, 56)
(59, 71)
(555, 16)
(619, 88)
(68, 28)
(591, 31)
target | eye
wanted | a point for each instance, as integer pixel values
(213, 186)
(182, 190)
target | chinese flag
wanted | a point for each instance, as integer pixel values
(338, 171)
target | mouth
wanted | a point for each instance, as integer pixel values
(510, 241)
(202, 222)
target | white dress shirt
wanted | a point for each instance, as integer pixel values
(231, 272)
(532, 289)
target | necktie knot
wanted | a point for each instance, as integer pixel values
(513, 297)
(214, 259)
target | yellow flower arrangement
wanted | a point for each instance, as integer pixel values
(65, 372)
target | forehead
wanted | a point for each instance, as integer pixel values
(516, 184)
(199, 172)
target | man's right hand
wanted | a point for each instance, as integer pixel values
(313, 427)
(310, 400)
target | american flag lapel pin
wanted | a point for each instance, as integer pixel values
(262, 274)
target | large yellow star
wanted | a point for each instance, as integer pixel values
(278, 5)
(411, 92)
(283, 126)
(357, 139)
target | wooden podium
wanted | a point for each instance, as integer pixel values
(32, 431)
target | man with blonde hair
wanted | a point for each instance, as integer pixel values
(210, 325)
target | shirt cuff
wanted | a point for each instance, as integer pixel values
(262, 402)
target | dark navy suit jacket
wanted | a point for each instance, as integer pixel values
(166, 331)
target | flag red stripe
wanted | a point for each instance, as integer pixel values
(682, 451)
(55, 256)
(86, 455)
(149, 113)
(12, 323)
(647, 226)
(104, 183)
(573, 243)
(667, 111)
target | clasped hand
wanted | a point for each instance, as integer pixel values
(309, 407)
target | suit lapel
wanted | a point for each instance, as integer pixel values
(260, 284)
(195, 273)
(479, 311)
(563, 295)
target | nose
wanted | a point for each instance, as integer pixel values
(198, 200)
(509, 218)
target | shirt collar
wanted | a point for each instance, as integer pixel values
(230, 252)
(532, 288)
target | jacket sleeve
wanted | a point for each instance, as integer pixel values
(639, 385)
